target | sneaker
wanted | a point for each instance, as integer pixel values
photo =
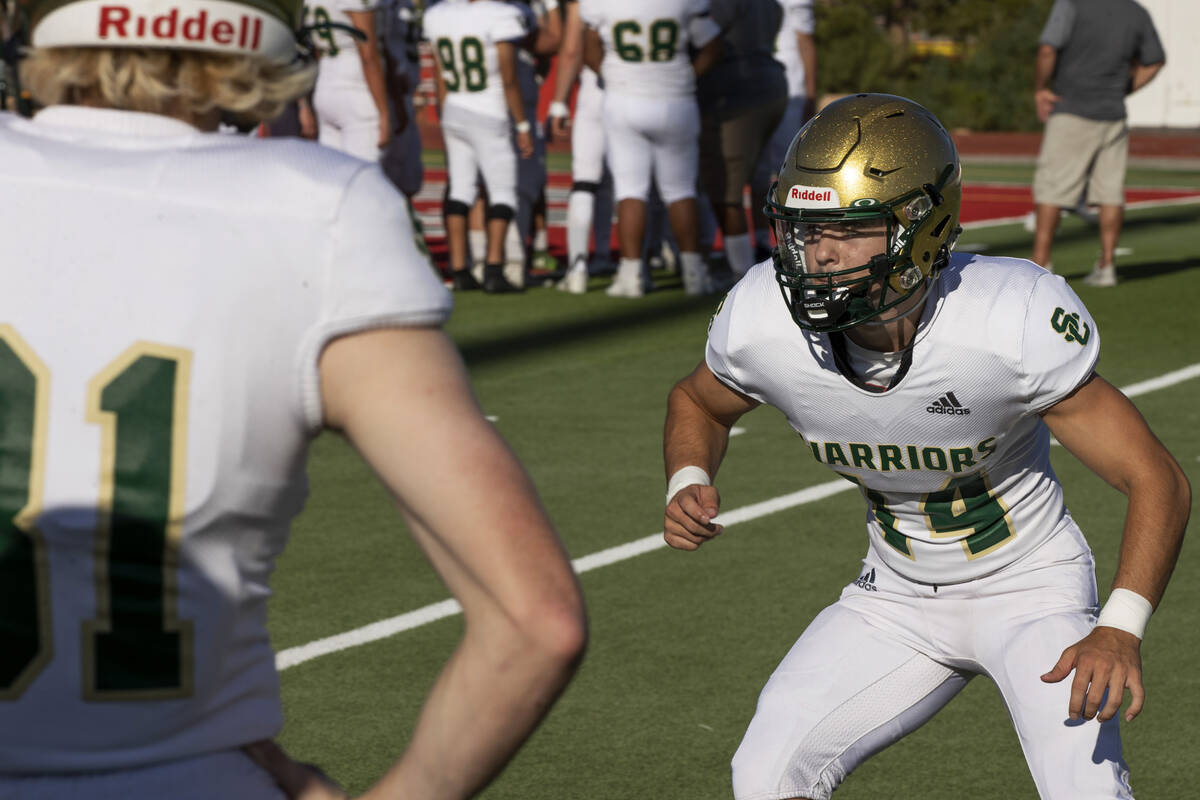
(696, 281)
(669, 262)
(1102, 276)
(576, 279)
(626, 286)
(464, 281)
(494, 281)
(514, 273)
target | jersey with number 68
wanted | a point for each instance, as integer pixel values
(647, 43)
(158, 391)
(952, 459)
(464, 37)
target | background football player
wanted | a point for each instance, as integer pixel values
(651, 122)
(474, 44)
(195, 308)
(350, 100)
(934, 382)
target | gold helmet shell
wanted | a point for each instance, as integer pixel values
(866, 157)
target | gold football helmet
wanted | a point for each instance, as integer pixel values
(865, 159)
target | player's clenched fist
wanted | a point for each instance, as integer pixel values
(689, 517)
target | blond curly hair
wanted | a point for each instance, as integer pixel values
(184, 83)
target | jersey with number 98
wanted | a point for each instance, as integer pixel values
(158, 391)
(647, 43)
(464, 38)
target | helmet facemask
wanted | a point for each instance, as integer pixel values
(867, 164)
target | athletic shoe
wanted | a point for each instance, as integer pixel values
(494, 281)
(1102, 277)
(626, 286)
(576, 279)
(696, 281)
(514, 273)
(669, 262)
(464, 281)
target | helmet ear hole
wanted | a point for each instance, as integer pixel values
(941, 226)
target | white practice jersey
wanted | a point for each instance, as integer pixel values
(797, 18)
(339, 59)
(464, 37)
(953, 459)
(171, 294)
(646, 43)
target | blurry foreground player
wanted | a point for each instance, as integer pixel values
(195, 308)
(934, 382)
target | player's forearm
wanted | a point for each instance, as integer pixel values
(1043, 69)
(691, 437)
(1143, 74)
(1159, 505)
(490, 696)
(707, 57)
(372, 64)
(808, 56)
(570, 61)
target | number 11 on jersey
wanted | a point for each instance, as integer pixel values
(135, 648)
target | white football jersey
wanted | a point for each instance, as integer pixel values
(646, 43)
(464, 37)
(171, 294)
(953, 459)
(797, 18)
(338, 50)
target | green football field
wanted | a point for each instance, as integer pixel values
(683, 642)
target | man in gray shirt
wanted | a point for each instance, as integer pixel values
(1090, 56)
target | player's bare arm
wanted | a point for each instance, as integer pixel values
(707, 57)
(570, 61)
(1044, 97)
(506, 55)
(372, 64)
(549, 34)
(593, 49)
(401, 396)
(700, 412)
(1141, 74)
(1104, 430)
(808, 56)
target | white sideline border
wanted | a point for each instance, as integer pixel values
(294, 656)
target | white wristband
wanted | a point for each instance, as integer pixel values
(523, 126)
(558, 109)
(1127, 611)
(686, 476)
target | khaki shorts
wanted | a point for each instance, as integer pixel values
(730, 149)
(1077, 152)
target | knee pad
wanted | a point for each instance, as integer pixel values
(455, 208)
(500, 211)
(585, 186)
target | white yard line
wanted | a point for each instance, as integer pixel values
(448, 608)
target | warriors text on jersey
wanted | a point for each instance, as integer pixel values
(464, 36)
(647, 43)
(953, 459)
(158, 390)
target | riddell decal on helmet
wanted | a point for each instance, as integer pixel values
(812, 197)
(214, 25)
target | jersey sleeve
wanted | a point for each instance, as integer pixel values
(728, 339)
(509, 25)
(1059, 24)
(798, 17)
(1059, 344)
(356, 5)
(591, 14)
(375, 277)
(1149, 48)
(702, 28)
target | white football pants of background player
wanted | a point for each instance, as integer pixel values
(477, 144)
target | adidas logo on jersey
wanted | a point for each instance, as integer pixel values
(947, 404)
(867, 581)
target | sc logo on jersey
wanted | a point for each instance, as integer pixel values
(1068, 325)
